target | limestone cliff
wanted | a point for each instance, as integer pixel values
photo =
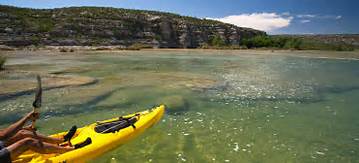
(112, 26)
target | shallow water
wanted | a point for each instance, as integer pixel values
(239, 108)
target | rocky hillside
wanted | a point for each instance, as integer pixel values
(112, 26)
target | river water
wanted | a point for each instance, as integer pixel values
(226, 107)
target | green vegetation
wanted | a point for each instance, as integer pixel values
(287, 42)
(216, 41)
(276, 42)
(2, 62)
(316, 45)
(272, 42)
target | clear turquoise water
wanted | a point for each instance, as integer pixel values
(239, 108)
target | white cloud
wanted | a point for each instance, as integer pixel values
(305, 21)
(313, 16)
(286, 13)
(261, 21)
(306, 16)
(330, 17)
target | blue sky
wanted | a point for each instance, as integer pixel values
(273, 16)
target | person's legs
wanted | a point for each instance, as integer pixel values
(23, 145)
(28, 134)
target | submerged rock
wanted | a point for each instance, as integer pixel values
(174, 104)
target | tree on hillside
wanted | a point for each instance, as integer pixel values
(216, 41)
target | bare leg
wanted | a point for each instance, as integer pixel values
(23, 145)
(14, 128)
(28, 134)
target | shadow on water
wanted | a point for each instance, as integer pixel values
(336, 89)
(10, 96)
(68, 109)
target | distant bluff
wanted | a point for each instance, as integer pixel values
(86, 26)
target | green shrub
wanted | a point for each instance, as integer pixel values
(344, 47)
(2, 62)
(292, 44)
(216, 41)
(316, 45)
(262, 41)
(158, 38)
(282, 42)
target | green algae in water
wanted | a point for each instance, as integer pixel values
(241, 108)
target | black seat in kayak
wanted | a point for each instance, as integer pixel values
(114, 126)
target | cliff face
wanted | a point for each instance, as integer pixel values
(111, 26)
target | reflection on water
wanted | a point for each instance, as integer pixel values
(238, 108)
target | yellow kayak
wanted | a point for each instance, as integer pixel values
(106, 135)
